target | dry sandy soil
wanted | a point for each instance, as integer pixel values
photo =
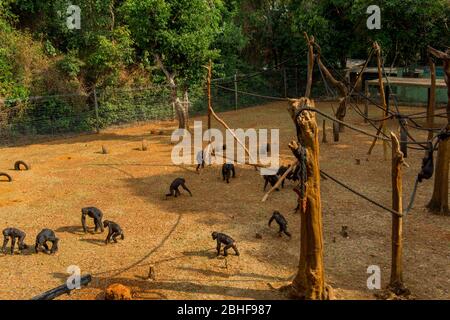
(174, 235)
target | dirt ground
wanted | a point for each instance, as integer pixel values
(173, 235)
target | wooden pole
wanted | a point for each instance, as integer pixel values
(285, 83)
(235, 92)
(97, 118)
(209, 93)
(366, 105)
(431, 98)
(324, 132)
(382, 128)
(310, 41)
(396, 282)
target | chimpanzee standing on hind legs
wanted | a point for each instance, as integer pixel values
(114, 230)
(14, 234)
(43, 237)
(174, 188)
(227, 241)
(227, 169)
(282, 223)
(94, 213)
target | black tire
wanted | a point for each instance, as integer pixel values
(2, 174)
(21, 163)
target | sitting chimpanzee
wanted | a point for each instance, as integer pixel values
(227, 241)
(114, 230)
(43, 237)
(427, 165)
(14, 234)
(272, 179)
(227, 169)
(174, 191)
(94, 213)
(282, 223)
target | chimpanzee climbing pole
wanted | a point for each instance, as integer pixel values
(310, 280)
(396, 283)
(439, 200)
(382, 128)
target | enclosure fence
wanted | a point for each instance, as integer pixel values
(46, 117)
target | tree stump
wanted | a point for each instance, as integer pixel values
(309, 282)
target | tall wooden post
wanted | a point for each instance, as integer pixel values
(439, 201)
(310, 41)
(382, 128)
(431, 98)
(285, 83)
(209, 93)
(324, 132)
(235, 92)
(309, 282)
(396, 282)
(97, 118)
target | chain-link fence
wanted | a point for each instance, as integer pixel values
(44, 118)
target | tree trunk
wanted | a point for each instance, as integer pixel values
(431, 99)
(439, 201)
(180, 108)
(310, 280)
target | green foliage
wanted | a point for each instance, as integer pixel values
(70, 64)
(180, 31)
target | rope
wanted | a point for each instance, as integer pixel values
(252, 94)
(360, 194)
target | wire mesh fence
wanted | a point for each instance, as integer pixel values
(46, 118)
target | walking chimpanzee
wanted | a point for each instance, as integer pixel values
(282, 223)
(222, 238)
(14, 234)
(46, 235)
(227, 169)
(114, 230)
(174, 188)
(272, 179)
(94, 213)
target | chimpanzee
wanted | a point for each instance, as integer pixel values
(227, 169)
(43, 237)
(94, 213)
(282, 223)
(272, 179)
(114, 231)
(427, 165)
(14, 234)
(227, 241)
(174, 191)
(281, 171)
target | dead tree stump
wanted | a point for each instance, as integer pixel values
(309, 282)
